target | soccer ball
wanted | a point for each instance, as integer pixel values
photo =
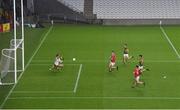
(74, 59)
(164, 77)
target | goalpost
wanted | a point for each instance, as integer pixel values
(12, 58)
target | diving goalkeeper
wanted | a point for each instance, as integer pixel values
(58, 63)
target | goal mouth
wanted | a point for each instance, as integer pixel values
(12, 58)
(11, 62)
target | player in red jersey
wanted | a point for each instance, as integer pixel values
(137, 73)
(112, 63)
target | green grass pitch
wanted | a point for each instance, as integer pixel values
(86, 82)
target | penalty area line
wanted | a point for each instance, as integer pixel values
(45, 64)
(77, 80)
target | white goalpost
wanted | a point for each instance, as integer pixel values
(12, 58)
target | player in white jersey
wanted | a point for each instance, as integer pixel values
(58, 63)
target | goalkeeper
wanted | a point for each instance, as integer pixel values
(58, 63)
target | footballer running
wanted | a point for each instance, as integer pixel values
(137, 73)
(141, 63)
(112, 63)
(126, 56)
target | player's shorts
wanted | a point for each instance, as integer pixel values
(56, 66)
(112, 63)
(126, 55)
(141, 67)
(137, 79)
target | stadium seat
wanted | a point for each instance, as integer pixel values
(137, 9)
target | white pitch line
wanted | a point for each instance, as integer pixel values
(40, 92)
(2, 105)
(166, 36)
(129, 98)
(102, 61)
(77, 80)
(45, 64)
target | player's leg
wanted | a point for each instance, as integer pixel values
(110, 67)
(114, 66)
(134, 83)
(140, 82)
(53, 67)
(60, 66)
(124, 59)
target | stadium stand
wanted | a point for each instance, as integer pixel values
(137, 9)
(131, 12)
(57, 11)
(77, 5)
(131, 9)
(5, 12)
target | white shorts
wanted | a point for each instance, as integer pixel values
(56, 63)
(112, 63)
(137, 79)
(126, 55)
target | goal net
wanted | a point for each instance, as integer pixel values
(9, 65)
(12, 58)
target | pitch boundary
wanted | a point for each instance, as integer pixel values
(169, 41)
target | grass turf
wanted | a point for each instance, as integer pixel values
(97, 88)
